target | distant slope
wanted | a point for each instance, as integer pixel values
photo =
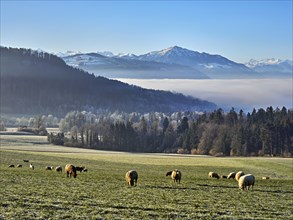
(128, 66)
(272, 68)
(40, 83)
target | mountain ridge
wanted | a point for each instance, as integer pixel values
(204, 66)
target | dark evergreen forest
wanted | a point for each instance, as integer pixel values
(259, 133)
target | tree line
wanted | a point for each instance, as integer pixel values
(259, 133)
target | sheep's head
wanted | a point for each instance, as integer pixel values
(169, 173)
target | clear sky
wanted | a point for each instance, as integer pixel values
(238, 30)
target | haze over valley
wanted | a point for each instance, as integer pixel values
(254, 84)
(244, 94)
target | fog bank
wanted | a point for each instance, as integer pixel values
(243, 94)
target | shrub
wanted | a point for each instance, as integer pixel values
(56, 139)
(182, 151)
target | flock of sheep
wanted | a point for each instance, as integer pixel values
(69, 169)
(244, 181)
(131, 177)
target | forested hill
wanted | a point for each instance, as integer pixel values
(34, 82)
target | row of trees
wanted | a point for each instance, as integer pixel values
(29, 121)
(262, 132)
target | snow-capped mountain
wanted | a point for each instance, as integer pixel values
(106, 53)
(272, 68)
(129, 56)
(67, 53)
(254, 63)
(214, 66)
(88, 59)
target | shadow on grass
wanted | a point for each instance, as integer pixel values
(274, 191)
(175, 187)
(216, 186)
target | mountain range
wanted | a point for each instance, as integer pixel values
(274, 68)
(175, 63)
(35, 82)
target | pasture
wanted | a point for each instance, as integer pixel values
(102, 193)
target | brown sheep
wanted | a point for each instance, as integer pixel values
(58, 169)
(231, 175)
(131, 177)
(175, 175)
(11, 166)
(238, 175)
(214, 175)
(70, 170)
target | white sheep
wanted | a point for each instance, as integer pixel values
(246, 181)
(238, 175)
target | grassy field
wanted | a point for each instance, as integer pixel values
(102, 192)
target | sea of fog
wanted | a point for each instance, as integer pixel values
(243, 94)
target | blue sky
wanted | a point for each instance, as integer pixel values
(238, 30)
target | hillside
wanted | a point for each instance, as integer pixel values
(40, 83)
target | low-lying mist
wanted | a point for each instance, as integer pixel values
(243, 94)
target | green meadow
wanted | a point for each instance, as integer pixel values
(102, 193)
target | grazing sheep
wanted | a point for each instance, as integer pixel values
(26, 161)
(70, 170)
(80, 169)
(214, 175)
(19, 166)
(231, 175)
(224, 177)
(246, 181)
(265, 177)
(11, 166)
(175, 175)
(49, 168)
(32, 166)
(84, 170)
(131, 177)
(58, 169)
(238, 175)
